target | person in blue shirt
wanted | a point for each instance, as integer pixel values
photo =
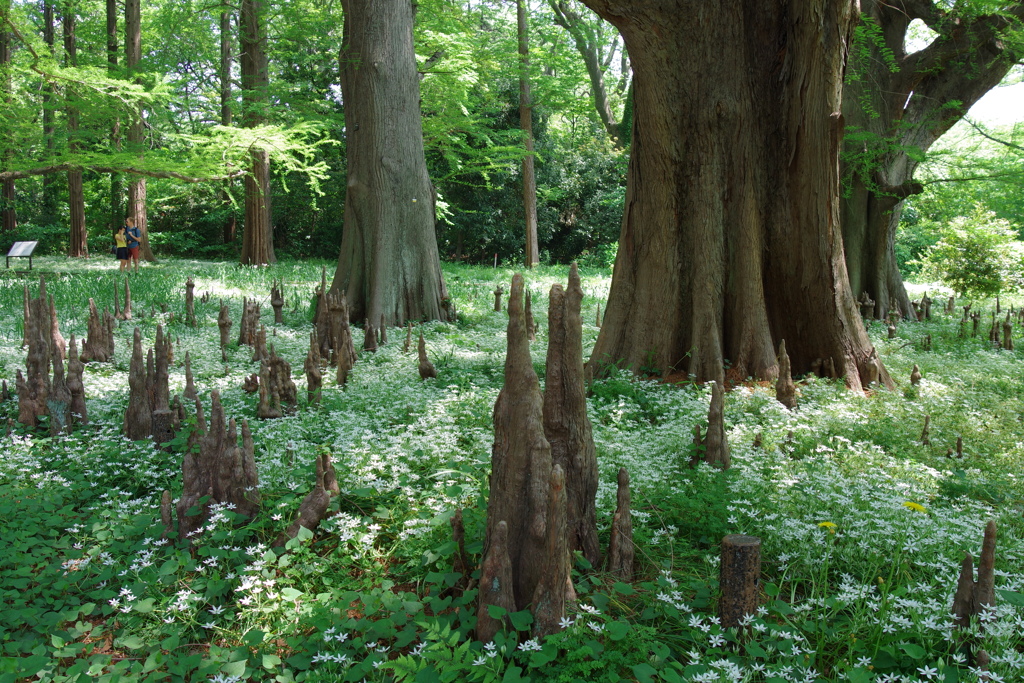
(134, 236)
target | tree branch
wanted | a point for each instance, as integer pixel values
(60, 168)
(983, 133)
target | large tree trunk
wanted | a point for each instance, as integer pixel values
(77, 242)
(389, 263)
(136, 132)
(8, 217)
(258, 234)
(526, 123)
(896, 106)
(116, 182)
(730, 239)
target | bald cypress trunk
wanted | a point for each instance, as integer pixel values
(731, 239)
(897, 104)
(8, 217)
(136, 131)
(258, 235)
(389, 264)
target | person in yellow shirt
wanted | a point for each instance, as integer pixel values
(121, 242)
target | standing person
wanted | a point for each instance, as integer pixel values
(134, 236)
(121, 243)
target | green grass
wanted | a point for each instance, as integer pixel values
(857, 585)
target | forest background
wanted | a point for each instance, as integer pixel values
(71, 103)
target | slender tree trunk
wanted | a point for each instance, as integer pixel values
(77, 242)
(389, 262)
(8, 216)
(116, 181)
(50, 188)
(899, 104)
(258, 233)
(136, 132)
(730, 239)
(526, 123)
(226, 62)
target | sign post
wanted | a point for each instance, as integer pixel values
(22, 249)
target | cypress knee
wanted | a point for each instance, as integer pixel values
(739, 578)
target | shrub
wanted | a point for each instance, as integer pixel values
(977, 255)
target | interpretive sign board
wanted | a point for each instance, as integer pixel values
(22, 249)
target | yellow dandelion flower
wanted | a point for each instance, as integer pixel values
(828, 525)
(916, 507)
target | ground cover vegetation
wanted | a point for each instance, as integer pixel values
(863, 526)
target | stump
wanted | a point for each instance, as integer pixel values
(915, 375)
(313, 508)
(497, 298)
(221, 471)
(248, 327)
(408, 339)
(1008, 334)
(925, 439)
(224, 323)
(566, 425)
(277, 302)
(276, 387)
(785, 389)
(867, 306)
(35, 386)
(314, 377)
(126, 314)
(495, 585)
(99, 341)
(620, 548)
(165, 514)
(138, 418)
(190, 392)
(58, 403)
(259, 348)
(891, 330)
(382, 332)
(520, 468)
(190, 302)
(972, 597)
(717, 446)
(76, 385)
(554, 590)
(739, 578)
(426, 368)
(251, 383)
(369, 337)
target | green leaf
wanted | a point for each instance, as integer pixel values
(644, 673)
(56, 641)
(132, 642)
(771, 589)
(253, 637)
(521, 620)
(144, 606)
(1011, 597)
(270, 661)
(617, 630)
(290, 593)
(236, 669)
(859, 675)
(783, 607)
(623, 588)
(513, 674)
(755, 650)
(496, 611)
(304, 534)
(913, 651)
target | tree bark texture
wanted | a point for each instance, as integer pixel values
(896, 106)
(526, 124)
(520, 460)
(116, 182)
(258, 232)
(224, 74)
(566, 424)
(136, 131)
(730, 238)
(389, 262)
